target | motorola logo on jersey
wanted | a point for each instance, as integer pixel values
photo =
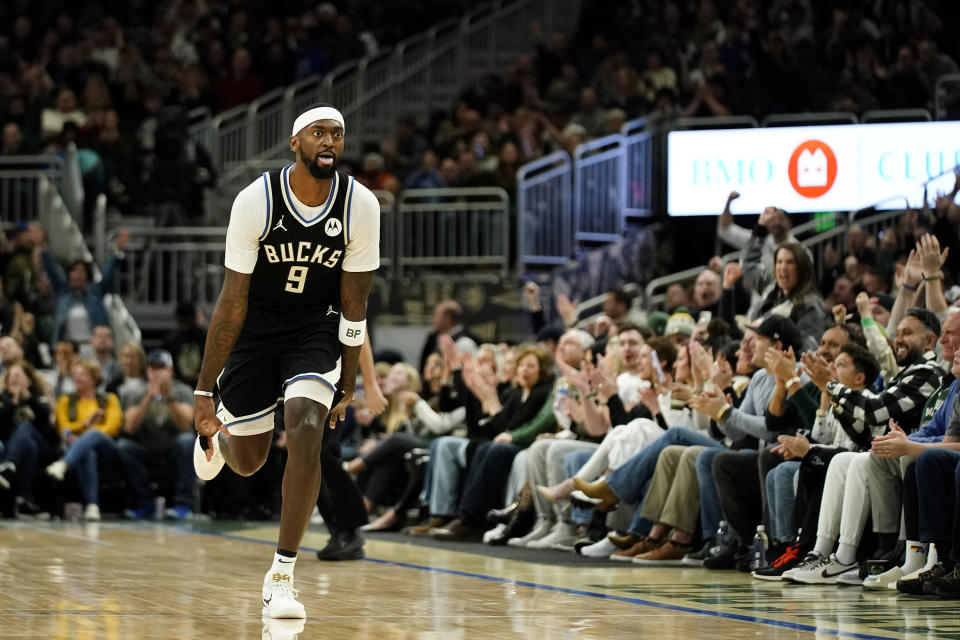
(306, 252)
(333, 227)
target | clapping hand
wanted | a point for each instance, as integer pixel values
(792, 447)
(817, 369)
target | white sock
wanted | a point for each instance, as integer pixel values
(824, 546)
(933, 557)
(846, 554)
(915, 557)
(282, 565)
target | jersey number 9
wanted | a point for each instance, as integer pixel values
(296, 279)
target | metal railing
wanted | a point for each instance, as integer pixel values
(639, 149)
(947, 97)
(20, 179)
(442, 228)
(544, 211)
(416, 77)
(600, 175)
(808, 235)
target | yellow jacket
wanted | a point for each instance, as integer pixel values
(110, 424)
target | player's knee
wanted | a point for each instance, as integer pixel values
(304, 416)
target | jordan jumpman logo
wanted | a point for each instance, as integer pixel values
(280, 225)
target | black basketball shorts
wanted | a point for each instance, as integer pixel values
(275, 359)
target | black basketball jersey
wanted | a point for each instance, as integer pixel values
(301, 259)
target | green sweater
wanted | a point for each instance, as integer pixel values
(543, 422)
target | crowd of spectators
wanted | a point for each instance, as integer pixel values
(117, 81)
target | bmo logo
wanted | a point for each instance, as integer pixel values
(812, 169)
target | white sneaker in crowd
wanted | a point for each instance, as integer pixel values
(851, 578)
(809, 560)
(92, 513)
(540, 530)
(494, 534)
(57, 470)
(603, 548)
(824, 572)
(886, 580)
(562, 536)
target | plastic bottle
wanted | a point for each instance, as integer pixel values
(722, 539)
(758, 550)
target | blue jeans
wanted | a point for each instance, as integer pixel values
(138, 459)
(573, 462)
(448, 462)
(26, 448)
(781, 498)
(89, 450)
(711, 513)
(628, 480)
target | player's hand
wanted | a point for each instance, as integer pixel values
(206, 421)
(339, 410)
(376, 401)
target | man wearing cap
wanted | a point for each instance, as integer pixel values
(158, 433)
(301, 248)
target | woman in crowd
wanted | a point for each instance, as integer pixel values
(27, 433)
(89, 423)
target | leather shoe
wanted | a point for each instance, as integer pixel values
(343, 545)
(424, 528)
(624, 541)
(458, 531)
(598, 489)
(502, 516)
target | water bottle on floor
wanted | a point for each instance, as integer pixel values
(758, 551)
(722, 539)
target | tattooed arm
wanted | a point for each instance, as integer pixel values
(225, 325)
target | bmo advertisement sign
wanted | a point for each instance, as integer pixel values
(829, 168)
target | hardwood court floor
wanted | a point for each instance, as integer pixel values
(119, 580)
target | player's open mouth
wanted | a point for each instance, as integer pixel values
(325, 160)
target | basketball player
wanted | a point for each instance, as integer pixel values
(301, 249)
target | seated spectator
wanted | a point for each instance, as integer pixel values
(427, 176)
(133, 364)
(27, 437)
(52, 120)
(89, 423)
(80, 300)
(186, 344)
(158, 434)
(103, 351)
(65, 355)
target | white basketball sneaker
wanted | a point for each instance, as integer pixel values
(280, 598)
(280, 629)
(207, 469)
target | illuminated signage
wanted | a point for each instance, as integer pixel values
(825, 168)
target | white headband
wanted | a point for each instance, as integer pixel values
(312, 115)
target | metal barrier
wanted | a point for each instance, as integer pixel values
(600, 169)
(388, 233)
(895, 115)
(638, 184)
(947, 97)
(441, 228)
(20, 178)
(803, 119)
(169, 265)
(417, 76)
(544, 211)
(808, 235)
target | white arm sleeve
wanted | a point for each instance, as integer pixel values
(249, 218)
(363, 230)
(439, 423)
